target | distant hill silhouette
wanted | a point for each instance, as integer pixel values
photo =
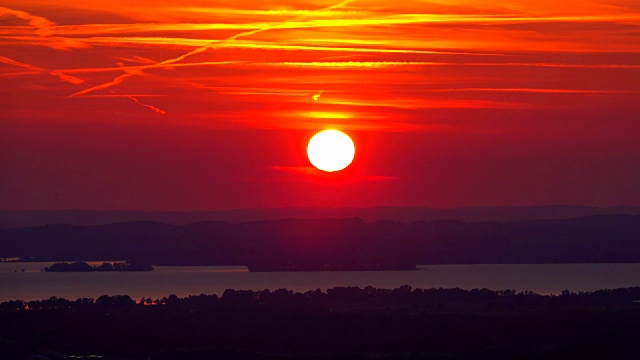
(11, 219)
(326, 244)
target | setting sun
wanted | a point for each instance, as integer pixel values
(331, 150)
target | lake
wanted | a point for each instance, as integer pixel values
(32, 284)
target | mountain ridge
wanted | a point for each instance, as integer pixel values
(334, 243)
(404, 214)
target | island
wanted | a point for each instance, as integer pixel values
(81, 266)
(333, 244)
(311, 266)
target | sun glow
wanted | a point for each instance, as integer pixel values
(331, 150)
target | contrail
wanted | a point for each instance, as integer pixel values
(151, 107)
(76, 81)
(202, 49)
(128, 72)
(246, 33)
(113, 82)
(44, 28)
(64, 77)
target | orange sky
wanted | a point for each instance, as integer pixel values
(183, 105)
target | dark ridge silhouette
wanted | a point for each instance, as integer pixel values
(339, 323)
(405, 214)
(334, 244)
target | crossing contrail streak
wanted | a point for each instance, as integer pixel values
(121, 78)
(44, 28)
(64, 77)
(77, 81)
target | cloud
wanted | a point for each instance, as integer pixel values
(42, 26)
(391, 65)
(204, 44)
(198, 50)
(128, 72)
(298, 170)
(539, 91)
(76, 81)
(310, 172)
(353, 64)
(237, 90)
(415, 103)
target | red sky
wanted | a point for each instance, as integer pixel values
(198, 105)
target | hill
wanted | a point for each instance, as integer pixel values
(11, 219)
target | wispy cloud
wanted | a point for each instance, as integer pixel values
(75, 81)
(354, 64)
(297, 63)
(43, 29)
(420, 103)
(201, 44)
(540, 91)
(310, 173)
(198, 50)
(40, 25)
(228, 90)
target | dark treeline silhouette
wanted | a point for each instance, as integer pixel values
(81, 266)
(340, 323)
(325, 244)
(351, 297)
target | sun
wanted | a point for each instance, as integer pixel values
(331, 150)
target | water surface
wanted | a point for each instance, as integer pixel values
(32, 284)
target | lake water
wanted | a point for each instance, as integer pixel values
(32, 284)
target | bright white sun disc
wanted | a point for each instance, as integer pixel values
(331, 150)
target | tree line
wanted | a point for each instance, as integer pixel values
(345, 298)
(339, 323)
